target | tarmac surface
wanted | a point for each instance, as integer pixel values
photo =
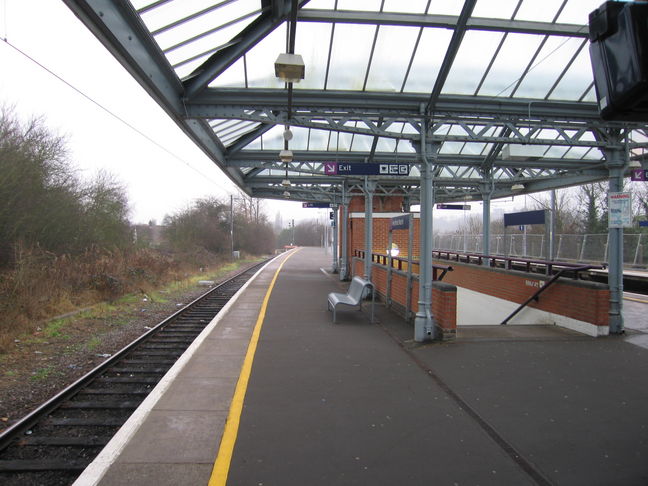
(356, 403)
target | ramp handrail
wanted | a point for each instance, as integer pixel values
(382, 259)
(547, 284)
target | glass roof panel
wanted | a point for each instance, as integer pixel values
(321, 4)
(577, 12)
(550, 63)
(261, 58)
(170, 12)
(233, 77)
(468, 68)
(576, 80)
(576, 152)
(273, 139)
(391, 58)
(300, 138)
(350, 56)
(510, 63)
(410, 6)
(451, 148)
(362, 143)
(340, 141)
(427, 60)
(543, 11)
(246, 11)
(555, 152)
(312, 43)
(185, 69)
(137, 4)
(364, 5)
(446, 7)
(318, 140)
(473, 148)
(205, 45)
(385, 144)
(499, 9)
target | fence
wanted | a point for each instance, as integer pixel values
(577, 248)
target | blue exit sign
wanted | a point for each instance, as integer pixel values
(355, 168)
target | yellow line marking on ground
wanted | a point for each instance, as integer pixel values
(636, 300)
(226, 449)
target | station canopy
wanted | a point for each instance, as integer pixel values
(502, 88)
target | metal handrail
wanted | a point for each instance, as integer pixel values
(382, 259)
(547, 284)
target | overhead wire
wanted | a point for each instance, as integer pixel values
(111, 113)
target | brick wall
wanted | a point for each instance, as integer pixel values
(580, 300)
(444, 297)
(576, 299)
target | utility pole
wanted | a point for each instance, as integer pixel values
(232, 224)
(293, 233)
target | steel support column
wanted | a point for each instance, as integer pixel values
(344, 260)
(616, 165)
(487, 191)
(369, 187)
(424, 329)
(551, 255)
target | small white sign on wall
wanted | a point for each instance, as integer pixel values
(620, 210)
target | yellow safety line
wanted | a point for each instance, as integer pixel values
(636, 300)
(226, 449)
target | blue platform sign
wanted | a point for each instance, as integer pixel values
(643, 223)
(399, 222)
(639, 175)
(359, 168)
(316, 205)
(524, 218)
(453, 206)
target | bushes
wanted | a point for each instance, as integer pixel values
(43, 203)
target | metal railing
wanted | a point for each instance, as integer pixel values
(568, 247)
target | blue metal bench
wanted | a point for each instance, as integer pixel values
(353, 297)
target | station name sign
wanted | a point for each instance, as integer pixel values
(399, 222)
(315, 205)
(359, 168)
(453, 206)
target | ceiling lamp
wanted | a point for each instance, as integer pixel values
(285, 183)
(517, 187)
(290, 68)
(286, 194)
(287, 135)
(286, 155)
(634, 164)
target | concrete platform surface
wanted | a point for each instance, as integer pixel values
(356, 403)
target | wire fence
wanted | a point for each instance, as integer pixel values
(567, 247)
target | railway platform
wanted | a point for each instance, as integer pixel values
(274, 393)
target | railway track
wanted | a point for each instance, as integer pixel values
(56, 442)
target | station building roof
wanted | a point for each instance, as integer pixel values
(504, 87)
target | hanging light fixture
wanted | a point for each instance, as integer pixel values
(517, 187)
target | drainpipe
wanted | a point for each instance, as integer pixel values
(487, 192)
(424, 321)
(344, 268)
(615, 165)
(335, 264)
(369, 188)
